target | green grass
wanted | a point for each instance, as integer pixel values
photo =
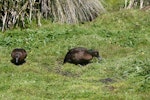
(122, 38)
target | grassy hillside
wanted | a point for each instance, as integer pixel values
(122, 38)
(113, 5)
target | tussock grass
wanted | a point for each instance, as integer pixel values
(123, 47)
(74, 11)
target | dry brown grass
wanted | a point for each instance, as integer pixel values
(74, 11)
(20, 13)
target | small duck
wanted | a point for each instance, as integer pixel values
(81, 55)
(18, 56)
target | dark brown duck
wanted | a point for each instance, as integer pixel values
(18, 56)
(81, 56)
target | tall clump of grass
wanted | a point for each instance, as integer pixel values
(74, 11)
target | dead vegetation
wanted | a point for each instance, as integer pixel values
(20, 12)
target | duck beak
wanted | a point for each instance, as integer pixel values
(17, 60)
(99, 59)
